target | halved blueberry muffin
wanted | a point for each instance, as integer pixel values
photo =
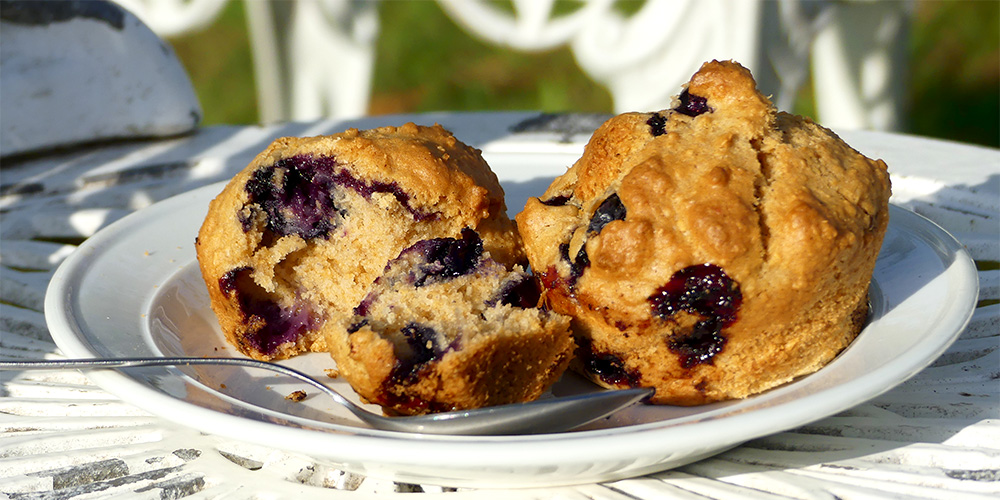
(446, 327)
(391, 249)
(712, 250)
(295, 239)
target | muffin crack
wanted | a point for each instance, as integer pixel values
(761, 185)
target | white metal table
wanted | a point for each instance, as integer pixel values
(935, 436)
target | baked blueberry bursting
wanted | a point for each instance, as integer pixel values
(269, 325)
(609, 210)
(657, 124)
(699, 346)
(706, 291)
(297, 195)
(702, 289)
(692, 105)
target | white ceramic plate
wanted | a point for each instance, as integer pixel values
(134, 289)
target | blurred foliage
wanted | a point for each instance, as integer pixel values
(220, 65)
(425, 62)
(955, 71)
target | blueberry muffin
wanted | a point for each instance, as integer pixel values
(712, 250)
(446, 327)
(295, 240)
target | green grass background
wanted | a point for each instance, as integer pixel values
(425, 62)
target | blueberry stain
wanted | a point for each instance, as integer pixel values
(227, 283)
(268, 324)
(297, 194)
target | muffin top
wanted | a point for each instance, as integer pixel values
(721, 178)
(433, 172)
(298, 236)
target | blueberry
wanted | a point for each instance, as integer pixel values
(357, 325)
(577, 265)
(657, 124)
(610, 209)
(564, 252)
(692, 105)
(520, 292)
(458, 256)
(228, 281)
(446, 258)
(704, 290)
(362, 308)
(556, 201)
(606, 366)
(420, 349)
(580, 264)
(422, 342)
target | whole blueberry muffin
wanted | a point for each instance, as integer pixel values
(712, 250)
(446, 327)
(295, 240)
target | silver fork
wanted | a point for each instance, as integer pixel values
(536, 417)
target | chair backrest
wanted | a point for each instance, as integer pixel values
(852, 50)
(79, 72)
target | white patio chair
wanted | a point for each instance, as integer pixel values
(853, 49)
(77, 72)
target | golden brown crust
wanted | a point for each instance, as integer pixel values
(513, 365)
(790, 213)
